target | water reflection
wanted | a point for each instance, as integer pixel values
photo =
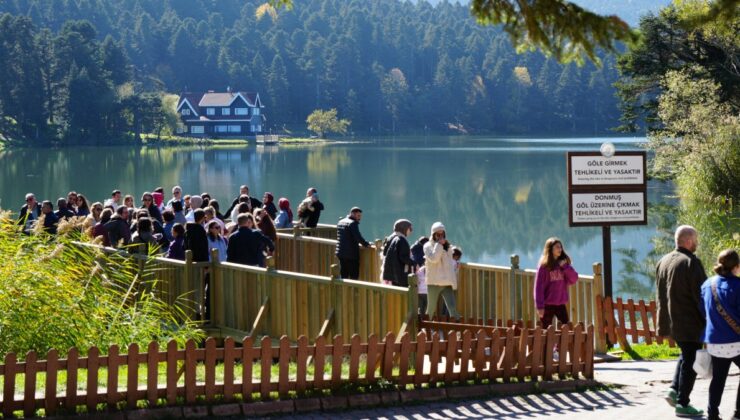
(496, 197)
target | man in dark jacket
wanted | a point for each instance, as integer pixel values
(63, 211)
(50, 219)
(29, 213)
(678, 278)
(253, 202)
(312, 216)
(247, 244)
(397, 260)
(118, 228)
(348, 240)
(195, 237)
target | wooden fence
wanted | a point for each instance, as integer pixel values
(246, 371)
(629, 322)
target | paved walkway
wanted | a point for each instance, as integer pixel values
(640, 397)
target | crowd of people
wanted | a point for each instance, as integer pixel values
(178, 224)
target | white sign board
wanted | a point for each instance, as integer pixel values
(608, 208)
(599, 170)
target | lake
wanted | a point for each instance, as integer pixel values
(496, 196)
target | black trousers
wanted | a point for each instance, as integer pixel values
(552, 311)
(684, 378)
(720, 368)
(349, 269)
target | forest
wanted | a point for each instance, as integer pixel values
(97, 71)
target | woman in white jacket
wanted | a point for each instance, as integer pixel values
(440, 271)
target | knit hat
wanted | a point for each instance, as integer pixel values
(437, 227)
(401, 226)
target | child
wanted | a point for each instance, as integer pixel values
(305, 208)
(176, 250)
(554, 275)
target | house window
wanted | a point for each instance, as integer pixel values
(255, 111)
(225, 111)
(221, 128)
(186, 111)
(235, 129)
(211, 111)
(240, 111)
(197, 129)
(257, 128)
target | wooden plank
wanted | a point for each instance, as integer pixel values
(210, 369)
(29, 389)
(9, 384)
(565, 341)
(550, 342)
(645, 324)
(633, 320)
(419, 356)
(403, 366)
(434, 360)
(114, 361)
(621, 333)
(336, 361)
(372, 357)
(588, 370)
(229, 353)
(284, 365)
(190, 365)
(465, 353)
(654, 327)
(247, 364)
(577, 357)
(132, 379)
(261, 316)
(171, 375)
(610, 320)
(318, 362)
(387, 370)
(266, 371)
(521, 355)
(71, 394)
(50, 390)
(494, 358)
(152, 374)
(301, 364)
(479, 358)
(93, 363)
(511, 348)
(354, 358)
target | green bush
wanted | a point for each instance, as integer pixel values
(55, 294)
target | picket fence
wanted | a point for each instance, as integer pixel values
(629, 322)
(176, 376)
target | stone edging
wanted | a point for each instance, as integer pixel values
(330, 403)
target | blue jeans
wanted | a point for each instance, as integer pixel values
(683, 379)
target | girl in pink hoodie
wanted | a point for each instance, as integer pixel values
(554, 275)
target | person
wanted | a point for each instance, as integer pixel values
(397, 261)
(215, 240)
(158, 200)
(114, 200)
(147, 203)
(50, 219)
(269, 205)
(285, 215)
(206, 199)
(554, 274)
(176, 197)
(144, 238)
(94, 217)
(29, 214)
(678, 277)
(311, 208)
(63, 212)
(265, 224)
(348, 240)
(99, 229)
(177, 211)
(247, 245)
(118, 227)
(243, 206)
(253, 202)
(211, 217)
(417, 251)
(195, 202)
(83, 208)
(440, 271)
(421, 275)
(186, 200)
(722, 332)
(169, 222)
(176, 250)
(128, 201)
(216, 206)
(72, 202)
(195, 235)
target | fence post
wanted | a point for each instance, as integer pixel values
(335, 293)
(190, 285)
(296, 235)
(515, 289)
(598, 293)
(215, 279)
(412, 310)
(376, 262)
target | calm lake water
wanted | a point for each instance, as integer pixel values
(496, 196)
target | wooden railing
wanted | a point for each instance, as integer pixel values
(629, 322)
(321, 230)
(176, 376)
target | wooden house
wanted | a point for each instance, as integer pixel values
(221, 114)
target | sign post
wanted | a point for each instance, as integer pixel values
(606, 189)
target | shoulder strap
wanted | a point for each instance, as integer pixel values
(731, 322)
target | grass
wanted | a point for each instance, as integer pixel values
(644, 351)
(174, 139)
(301, 140)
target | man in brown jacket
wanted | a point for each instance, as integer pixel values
(678, 278)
